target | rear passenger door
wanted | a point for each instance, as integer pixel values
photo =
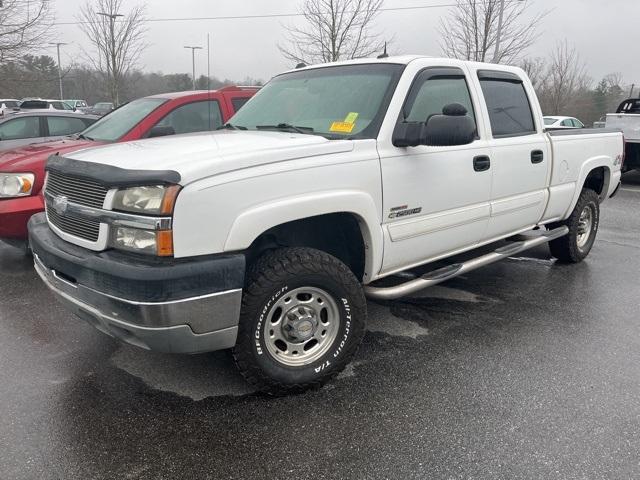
(520, 154)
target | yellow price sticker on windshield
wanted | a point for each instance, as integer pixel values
(342, 127)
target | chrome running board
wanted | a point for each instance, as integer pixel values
(451, 271)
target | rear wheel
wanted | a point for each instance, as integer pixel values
(583, 228)
(302, 319)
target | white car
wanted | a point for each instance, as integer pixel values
(8, 105)
(45, 104)
(552, 123)
(266, 236)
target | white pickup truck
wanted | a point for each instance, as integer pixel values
(266, 236)
(627, 119)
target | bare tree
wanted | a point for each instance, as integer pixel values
(470, 32)
(334, 30)
(118, 38)
(536, 69)
(566, 77)
(24, 26)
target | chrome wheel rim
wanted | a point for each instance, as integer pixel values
(301, 326)
(585, 225)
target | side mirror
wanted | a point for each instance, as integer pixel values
(161, 131)
(453, 127)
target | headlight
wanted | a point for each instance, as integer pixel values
(151, 200)
(148, 200)
(143, 241)
(16, 184)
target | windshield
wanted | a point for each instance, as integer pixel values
(550, 121)
(337, 102)
(121, 121)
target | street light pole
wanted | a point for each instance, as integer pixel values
(112, 61)
(193, 64)
(58, 44)
(496, 54)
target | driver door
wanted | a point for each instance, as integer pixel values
(436, 199)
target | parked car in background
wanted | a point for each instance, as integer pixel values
(8, 105)
(552, 123)
(266, 237)
(77, 104)
(101, 108)
(24, 128)
(600, 123)
(627, 119)
(158, 115)
(43, 104)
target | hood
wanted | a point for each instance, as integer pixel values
(201, 155)
(31, 158)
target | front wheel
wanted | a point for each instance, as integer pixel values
(302, 320)
(583, 227)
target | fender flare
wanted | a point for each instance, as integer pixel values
(257, 219)
(587, 168)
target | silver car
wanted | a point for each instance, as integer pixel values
(23, 128)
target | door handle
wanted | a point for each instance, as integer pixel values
(481, 163)
(537, 156)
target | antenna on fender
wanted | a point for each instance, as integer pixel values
(384, 54)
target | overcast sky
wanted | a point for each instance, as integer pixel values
(603, 31)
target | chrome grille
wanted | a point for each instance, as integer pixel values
(78, 227)
(77, 190)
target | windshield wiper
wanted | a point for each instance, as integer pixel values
(286, 126)
(229, 126)
(84, 137)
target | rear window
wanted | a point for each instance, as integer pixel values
(34, 104)
(509, 109)
(629, 106)
(10, 104)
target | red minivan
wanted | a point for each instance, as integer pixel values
(22, 169)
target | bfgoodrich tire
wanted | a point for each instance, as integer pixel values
(302, 319)
(583, 227)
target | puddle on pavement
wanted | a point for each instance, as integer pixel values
(213, 375)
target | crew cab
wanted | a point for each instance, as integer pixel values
(627, 119)
(266, 236)
(22, 169)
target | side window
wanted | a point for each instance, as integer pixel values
(509, 109)
(238, 102)
(577, 123)
(26, 127)
(194, 117)
(428, 97)
(59, 126)
(567, 123)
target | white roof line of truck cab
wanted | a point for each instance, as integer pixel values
(407, 59)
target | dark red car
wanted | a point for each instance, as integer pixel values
(22, 169)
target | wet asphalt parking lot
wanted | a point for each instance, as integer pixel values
(523, 369)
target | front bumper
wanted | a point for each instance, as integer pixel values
(174, 306)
